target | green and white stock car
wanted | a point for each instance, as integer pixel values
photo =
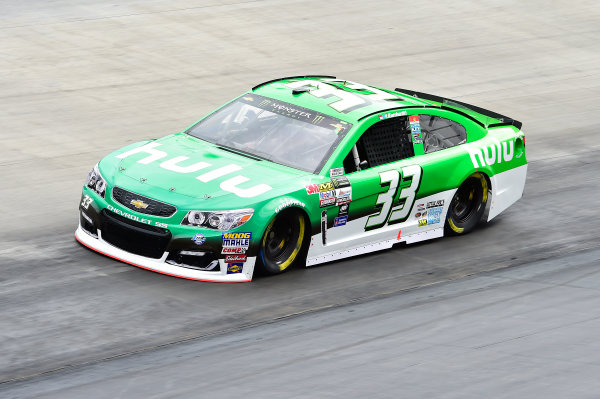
(302, 170)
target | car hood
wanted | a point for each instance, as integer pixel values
(182, 165)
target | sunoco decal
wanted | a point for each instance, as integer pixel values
(234, 268)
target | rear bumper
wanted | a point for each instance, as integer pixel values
(507, 188)
(161, 266)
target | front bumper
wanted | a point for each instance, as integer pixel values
(162, 244)
(160, 265)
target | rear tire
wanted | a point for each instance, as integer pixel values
(467, 205)
(282, 245)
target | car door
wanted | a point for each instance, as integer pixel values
(383, 191)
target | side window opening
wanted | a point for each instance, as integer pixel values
(384, 142)
(441, 133)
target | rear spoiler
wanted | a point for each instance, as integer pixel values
(451, 105)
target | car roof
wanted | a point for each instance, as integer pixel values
(326, 94)
(337, 90)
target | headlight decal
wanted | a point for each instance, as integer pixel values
(218, 220)
(96, 182)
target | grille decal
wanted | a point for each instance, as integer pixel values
(142, 204)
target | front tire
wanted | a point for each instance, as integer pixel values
(283, 242)
(467, 205)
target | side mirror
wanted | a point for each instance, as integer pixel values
(363, 165)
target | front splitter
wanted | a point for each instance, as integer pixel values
(160, 266)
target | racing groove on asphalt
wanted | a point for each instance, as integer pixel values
(83, 80)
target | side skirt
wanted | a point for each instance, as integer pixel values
(364, 249)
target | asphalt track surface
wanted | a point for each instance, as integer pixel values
(509, 311)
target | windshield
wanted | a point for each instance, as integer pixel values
(274, 130)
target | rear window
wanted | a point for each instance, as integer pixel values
(441, 133)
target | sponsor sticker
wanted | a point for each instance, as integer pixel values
(327, 202)
(343, 210)
(415, 129)
(340, 221)
(326, 195)
(234, 268)
(336, 172)
(327, 186)
(199, 239)
(312, 189)
(433, 204)
(434, 215)
(339, 182)
(392, 115)
(234, 250)
(421, 214)
(422, 222)
(235, 243)
(284, 109)
(343, 195)
(235, 258)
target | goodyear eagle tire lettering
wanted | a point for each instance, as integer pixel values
(283, 241)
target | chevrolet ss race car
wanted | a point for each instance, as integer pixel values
(302, 170)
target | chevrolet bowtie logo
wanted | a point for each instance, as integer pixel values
(139, 204)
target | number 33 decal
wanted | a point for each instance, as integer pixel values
(406, 199)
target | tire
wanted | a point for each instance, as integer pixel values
(467, 205)
(283, 243)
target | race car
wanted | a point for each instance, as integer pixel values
(300, 171)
